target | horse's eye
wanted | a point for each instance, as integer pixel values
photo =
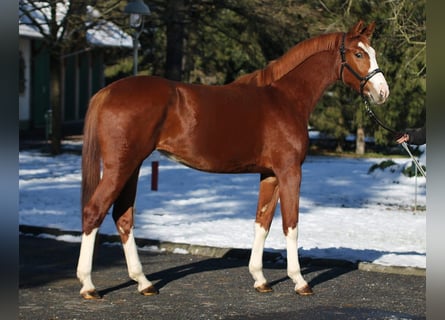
(358, 55)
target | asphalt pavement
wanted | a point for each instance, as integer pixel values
(201, 287)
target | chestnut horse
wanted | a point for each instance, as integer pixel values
(256, 124)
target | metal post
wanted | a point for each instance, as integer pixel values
(154, 164)
(135, 53)
(415, 189)
(137, 9)
(48, 124)
(154, 175)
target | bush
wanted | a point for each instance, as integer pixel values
(412, 169)
(382, 166)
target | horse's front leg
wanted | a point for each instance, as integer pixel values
(289, 196)
(267, 202)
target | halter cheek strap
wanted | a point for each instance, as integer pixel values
(363, 80)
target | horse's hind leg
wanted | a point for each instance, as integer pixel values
(123, 215)
(114, 179)
(92, 217)
(85, 264)
(267, 202)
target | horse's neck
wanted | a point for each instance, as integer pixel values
(296, 55)
(301, 52)
(307, 82)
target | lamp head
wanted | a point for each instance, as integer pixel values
(136, 9)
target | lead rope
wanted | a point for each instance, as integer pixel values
(404, 145)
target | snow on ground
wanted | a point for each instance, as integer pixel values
(345, 213)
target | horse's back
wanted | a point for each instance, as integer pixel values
(135, 91)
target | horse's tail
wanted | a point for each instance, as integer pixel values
(90, 151)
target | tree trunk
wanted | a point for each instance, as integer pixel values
(175, 39)
(55, 100)
(360, 141)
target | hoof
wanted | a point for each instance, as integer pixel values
(264, 288)
(91, 295)
(304, 291)
(150, 291)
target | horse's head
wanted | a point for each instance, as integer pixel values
(359, 68)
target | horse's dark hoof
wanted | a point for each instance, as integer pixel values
(91, 295)
(150, 291)
(305, 291)
(264, 288)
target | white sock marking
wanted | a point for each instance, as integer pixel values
(256, 257)
(85, 262)
(293, 265)
(133, 263)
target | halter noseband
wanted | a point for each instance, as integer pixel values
(363, 80)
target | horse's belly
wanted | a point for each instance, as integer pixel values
(215, 163)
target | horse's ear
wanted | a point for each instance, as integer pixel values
(357, 28)
(368, 31)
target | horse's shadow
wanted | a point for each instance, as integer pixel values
(161, 279)
(37, 254)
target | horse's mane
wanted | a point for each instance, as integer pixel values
(291, 59)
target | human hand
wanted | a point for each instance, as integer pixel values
(402, 138)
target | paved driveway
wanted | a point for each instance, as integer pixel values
(196, 287)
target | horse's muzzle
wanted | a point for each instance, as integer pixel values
(378, 90)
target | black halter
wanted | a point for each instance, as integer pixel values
(363, 80)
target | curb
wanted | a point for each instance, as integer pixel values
(241, 254)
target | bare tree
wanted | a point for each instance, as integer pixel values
(63, 26)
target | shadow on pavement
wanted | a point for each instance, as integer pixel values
(44, 260)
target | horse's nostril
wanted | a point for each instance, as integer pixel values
(383, 92)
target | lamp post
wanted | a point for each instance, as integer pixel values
(137, 9)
